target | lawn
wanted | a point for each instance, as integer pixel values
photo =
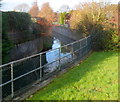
(94, 79)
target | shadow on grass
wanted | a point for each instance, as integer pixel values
(74, 75)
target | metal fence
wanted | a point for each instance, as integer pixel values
(18, 75)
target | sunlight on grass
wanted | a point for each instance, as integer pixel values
(95, 79)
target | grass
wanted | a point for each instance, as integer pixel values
(94, 79)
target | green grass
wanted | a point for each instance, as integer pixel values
(94, 79)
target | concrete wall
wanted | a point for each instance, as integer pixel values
(26, 49)
(67, 32)
(37, 45)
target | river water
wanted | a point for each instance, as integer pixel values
(54, 55)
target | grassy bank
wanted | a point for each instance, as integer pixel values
(95, 79)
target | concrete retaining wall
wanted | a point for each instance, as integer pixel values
(67, 32)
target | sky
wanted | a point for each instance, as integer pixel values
(9, 5)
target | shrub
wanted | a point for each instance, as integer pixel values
(101, 39)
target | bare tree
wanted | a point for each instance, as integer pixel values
(91, 11)
(22, 8)
(46, 12)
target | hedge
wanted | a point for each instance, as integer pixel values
(17, 28)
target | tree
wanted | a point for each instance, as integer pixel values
(34, 10)
(22, 8)
(87, 11)
(112, 13)
(46, 12)
(62, 17)
(64, 8)
(92, 19)
(75, 19)
(55, 17)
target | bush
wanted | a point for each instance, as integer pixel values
(104, 38)
(101, 39)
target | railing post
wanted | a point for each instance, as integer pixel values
(86, 41)
(40, 68)
(80, 44)
(86, 44)
(90, 43)
(59, 57)
(80, 49)
(12, 85)
(72, 53)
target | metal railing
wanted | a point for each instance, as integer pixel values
(17, 75)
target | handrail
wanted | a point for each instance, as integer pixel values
(40, 53)
(34, 70)
(41, 67)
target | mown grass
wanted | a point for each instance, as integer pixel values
(94, 79)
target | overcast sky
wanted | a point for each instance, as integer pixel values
(9, 5)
